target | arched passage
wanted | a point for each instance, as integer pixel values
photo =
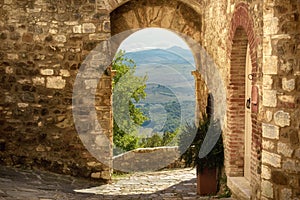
(241, 38)
(175, 16)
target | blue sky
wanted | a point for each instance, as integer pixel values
(152, 38)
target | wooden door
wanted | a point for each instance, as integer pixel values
(248, 122)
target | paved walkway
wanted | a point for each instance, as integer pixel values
(37, 185)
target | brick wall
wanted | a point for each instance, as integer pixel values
(230, 26)
(242, 34)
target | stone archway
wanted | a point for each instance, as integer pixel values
(175, 16)
(111, 5)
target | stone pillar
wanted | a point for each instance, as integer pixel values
(201, 95)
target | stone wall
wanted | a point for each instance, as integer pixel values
(275, 137)
(281, 92)
(43, 44)
(230, 26)
(150, 157)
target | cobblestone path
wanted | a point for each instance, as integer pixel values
(36, 185)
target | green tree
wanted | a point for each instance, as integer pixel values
(170, 138)
(125, 130)
(154, 141)
(157, 140)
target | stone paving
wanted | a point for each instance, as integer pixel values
(37, 185)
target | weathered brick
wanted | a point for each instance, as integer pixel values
(77, 29)
(284, 149)
(270, 98)
(265, 172)
(287, 98)
(47, 72)
(271, 159)
(34, 10)
(12, 56)
(291, 165)
(282, 119)
(105, 175)
(96, 175)
(267, 144)
(64, 73)
(286, 193)
(9, 70)
(267, 82)
(23, 105)
(88, 28)
(71, 23)
(267, 189)
(270, 65)
(60, 38)
(53, 31)
(288, 85)
(7, 1)
(271, 25)
(268, 116)
(270, 131)
(38, 80)
(106, 26)
(99, 37)
(55, 82)
(267, 50)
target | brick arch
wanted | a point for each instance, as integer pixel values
(241, 34)
(242, 18)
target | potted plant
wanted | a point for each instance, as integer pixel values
(209, 166)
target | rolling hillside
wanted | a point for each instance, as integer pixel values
(173, 55)
(170, 97)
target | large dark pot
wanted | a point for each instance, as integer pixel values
(206, 181)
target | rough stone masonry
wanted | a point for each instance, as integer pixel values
(43, 44)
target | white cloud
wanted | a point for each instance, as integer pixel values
(152, 38)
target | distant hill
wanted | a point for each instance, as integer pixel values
(173, 55)
(170, 91)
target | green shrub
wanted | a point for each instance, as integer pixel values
(197, 134)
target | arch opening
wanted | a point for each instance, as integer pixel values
(181, 19)
(167, 62)
(175, 16)
(236, 101)
(243, 140)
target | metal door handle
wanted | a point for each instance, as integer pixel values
(248, 103)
